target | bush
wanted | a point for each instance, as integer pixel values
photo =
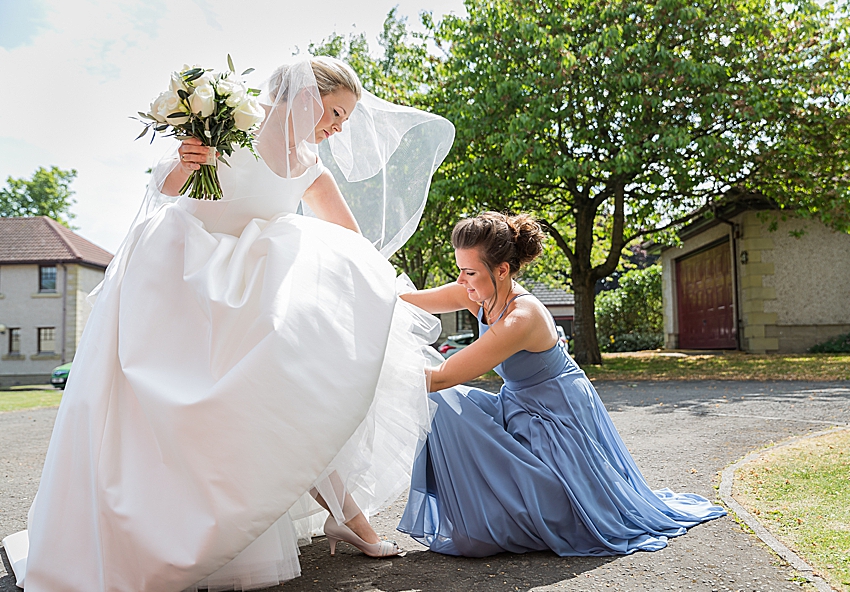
(836, 345)
(630, 317)
(627, 342)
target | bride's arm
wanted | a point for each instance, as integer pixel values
(325, 199)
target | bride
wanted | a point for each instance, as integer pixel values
(246, 370)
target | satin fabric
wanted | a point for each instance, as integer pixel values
(237, 356)
(538, 466)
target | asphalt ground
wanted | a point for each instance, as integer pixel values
(681, 434)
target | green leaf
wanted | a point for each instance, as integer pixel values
(248, 71)
(176, 114)
(144, 131)
(230, 64)
(182, 94)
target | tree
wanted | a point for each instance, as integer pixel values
(48, 193)
(404, 73)
(618, 120)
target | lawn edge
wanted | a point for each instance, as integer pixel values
(727, 478)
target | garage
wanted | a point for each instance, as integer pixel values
(704, 290)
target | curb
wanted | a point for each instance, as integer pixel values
(728, 476)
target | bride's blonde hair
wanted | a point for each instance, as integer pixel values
(331, 74)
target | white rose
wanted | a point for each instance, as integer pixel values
(156, 106)
(202, 100)
(205, 79)
(225, 87)
(238, 95)
(166, 104)
(177, 83)
(248, 114)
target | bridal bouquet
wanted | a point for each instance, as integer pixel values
(217, 109)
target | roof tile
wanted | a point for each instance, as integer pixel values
(42, 240)
(550, 296)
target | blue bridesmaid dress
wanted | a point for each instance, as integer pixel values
(538, 466)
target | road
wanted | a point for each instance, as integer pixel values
(680, 433)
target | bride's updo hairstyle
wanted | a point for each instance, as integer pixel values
(331, 74)
(515, 240)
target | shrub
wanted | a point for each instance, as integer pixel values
(630, 317)
(633, 342)
(836, 345)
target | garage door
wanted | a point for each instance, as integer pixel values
(704, 290)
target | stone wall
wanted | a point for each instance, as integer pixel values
(796, 283)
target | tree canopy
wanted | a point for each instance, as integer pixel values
(615, 121)
(47, 193)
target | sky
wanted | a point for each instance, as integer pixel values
(75, 71)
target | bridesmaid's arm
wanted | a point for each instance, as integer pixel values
(446, 298)
(325, 198)
(491, 349)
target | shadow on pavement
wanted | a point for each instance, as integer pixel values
(827, 402)
(431, 572)
(7, 580)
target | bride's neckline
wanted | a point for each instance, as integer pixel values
(268, 166)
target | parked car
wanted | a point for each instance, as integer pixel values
(60, 375)
(455, 343)
(562, 337)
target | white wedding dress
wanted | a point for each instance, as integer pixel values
(239, 354)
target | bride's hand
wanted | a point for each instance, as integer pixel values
(192, 155)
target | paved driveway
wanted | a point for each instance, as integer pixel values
(680, 433)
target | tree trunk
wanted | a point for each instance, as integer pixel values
(585, 347)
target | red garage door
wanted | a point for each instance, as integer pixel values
(704, 290)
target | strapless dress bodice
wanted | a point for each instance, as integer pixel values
(251, 191)
(525, 368)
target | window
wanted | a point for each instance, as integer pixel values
(47, 278)
(464, 320)
(14, 342)
(46, 340)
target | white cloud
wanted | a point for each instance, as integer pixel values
(87, 65)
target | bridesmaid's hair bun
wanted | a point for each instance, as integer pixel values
(515, 240)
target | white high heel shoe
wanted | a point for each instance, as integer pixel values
(340, 532)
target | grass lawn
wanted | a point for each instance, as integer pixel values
(659, 365)
(801, 493)
(17, 398)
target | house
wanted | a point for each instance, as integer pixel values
(46, 273)
(748, 279)
(560, 303)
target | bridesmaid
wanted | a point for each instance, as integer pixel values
(539, 465)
